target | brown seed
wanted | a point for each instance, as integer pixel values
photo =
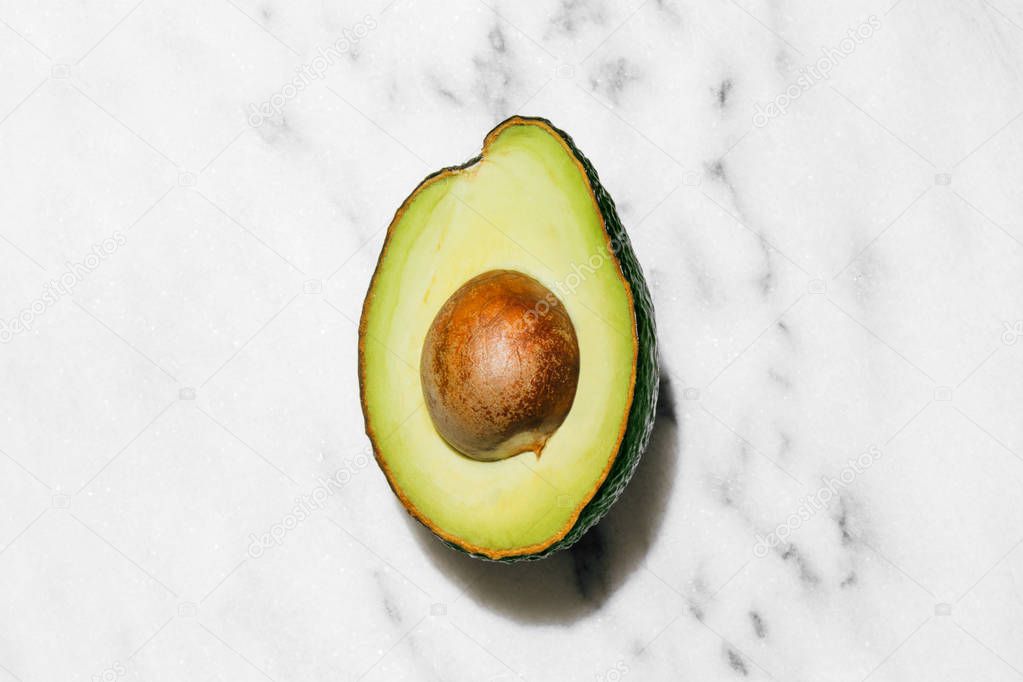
(500, 366)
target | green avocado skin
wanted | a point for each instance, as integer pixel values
(644, 399)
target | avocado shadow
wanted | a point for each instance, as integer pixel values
(573, 583)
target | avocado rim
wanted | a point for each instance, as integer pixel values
(637, 424)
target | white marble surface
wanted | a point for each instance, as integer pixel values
(841, 278)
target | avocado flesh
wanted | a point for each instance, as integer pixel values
(527, 204)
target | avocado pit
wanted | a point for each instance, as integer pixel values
(500, 366)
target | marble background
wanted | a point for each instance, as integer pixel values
(826, 197)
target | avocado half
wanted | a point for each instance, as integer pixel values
(530, 203)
